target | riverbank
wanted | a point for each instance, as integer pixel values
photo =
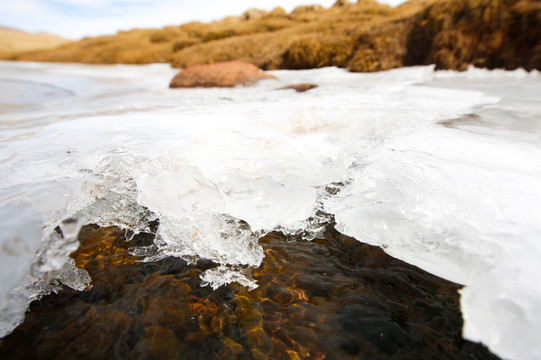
(362, 37)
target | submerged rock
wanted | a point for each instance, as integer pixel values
(328, 298)
(225, 74)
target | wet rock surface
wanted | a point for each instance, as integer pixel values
(225, 74)
(299, 87)
(332, 298)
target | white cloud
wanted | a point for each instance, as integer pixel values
(103, 3)
(20, 7)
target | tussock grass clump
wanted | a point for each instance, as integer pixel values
(318, 51)
(485, 33)
(320, 38)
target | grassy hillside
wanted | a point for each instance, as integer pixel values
(12, 40)
(362, 36)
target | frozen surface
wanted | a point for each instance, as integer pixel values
(443, 170)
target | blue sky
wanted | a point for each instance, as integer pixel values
(78, 18)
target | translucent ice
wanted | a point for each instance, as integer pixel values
(442, 169)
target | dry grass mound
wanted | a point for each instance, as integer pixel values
(144, 46)
(485, 33)
(12, 40)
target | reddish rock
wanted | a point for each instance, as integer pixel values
(299, 87)
(225, 74)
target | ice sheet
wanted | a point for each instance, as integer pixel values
(442, 169)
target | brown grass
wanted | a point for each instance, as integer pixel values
(364, 36)
(485, 33)
(12, 40)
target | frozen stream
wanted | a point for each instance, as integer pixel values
(441, 169)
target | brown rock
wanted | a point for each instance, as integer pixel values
(225, 74)
(299, 87)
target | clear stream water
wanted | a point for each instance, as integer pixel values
(441, 169)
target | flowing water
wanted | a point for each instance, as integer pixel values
(330, 298)
(440, 169)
